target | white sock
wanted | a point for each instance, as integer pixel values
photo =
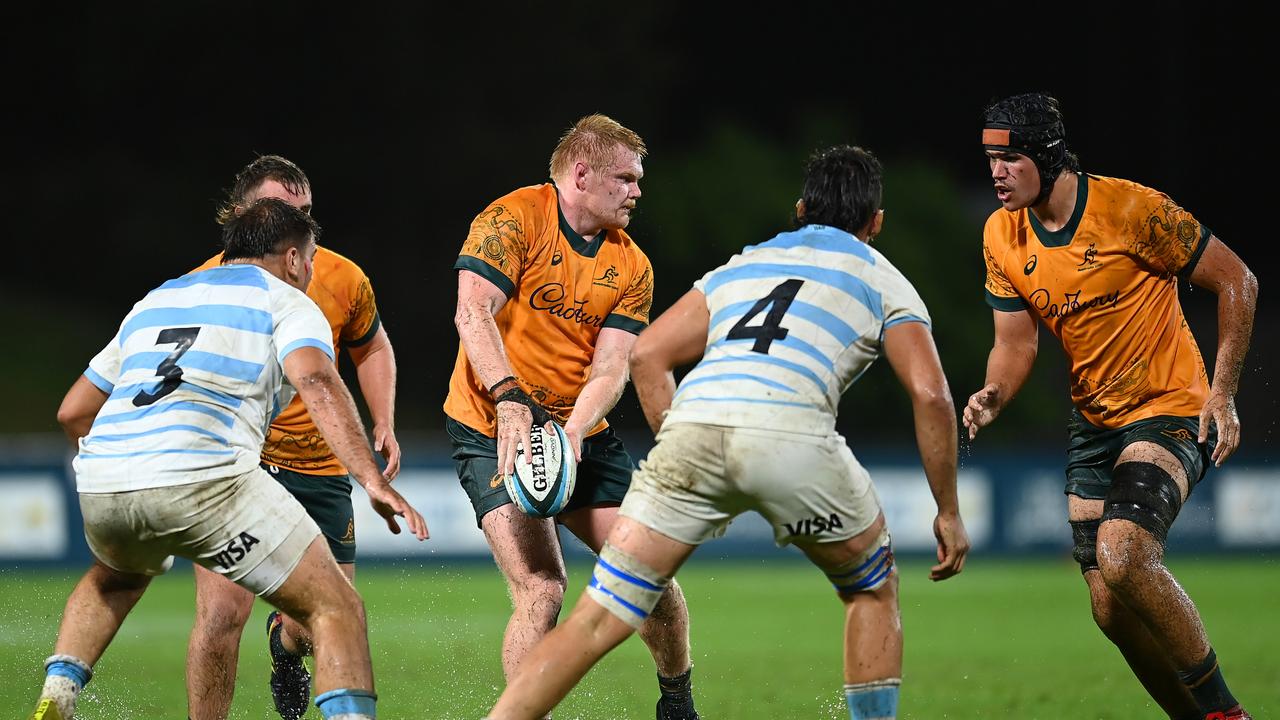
(63, 692)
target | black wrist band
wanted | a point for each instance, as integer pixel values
(494, 388)
(518, 395)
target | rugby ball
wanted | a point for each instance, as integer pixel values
(545, 472)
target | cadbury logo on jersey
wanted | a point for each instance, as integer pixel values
(550, 298)
(1071, 304)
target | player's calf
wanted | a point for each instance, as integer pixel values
(866, 578)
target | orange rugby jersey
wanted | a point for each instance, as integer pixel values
(345, 296)
(1106, 286)
(561, 289)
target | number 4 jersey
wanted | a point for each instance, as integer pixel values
(194, 377)
(794, 321)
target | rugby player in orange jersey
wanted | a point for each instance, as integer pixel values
(1098, 260)
(298, 457)
(551, 295)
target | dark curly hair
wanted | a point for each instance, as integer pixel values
(843, 188)
(269, 226)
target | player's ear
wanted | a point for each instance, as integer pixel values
(873, 227)
(580, 171)
(800, 209)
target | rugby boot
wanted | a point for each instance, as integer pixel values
(47, 710)
(670, 708)
(1236, 713)
(290, 680)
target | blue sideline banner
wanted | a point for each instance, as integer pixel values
(1010, 506)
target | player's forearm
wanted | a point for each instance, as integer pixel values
(80, 408)
(935, 422)
(655, 387)
(331, 406)
(478, 331)
(1236, 305)
(1008, 367)
(376, 372)
(603, 390)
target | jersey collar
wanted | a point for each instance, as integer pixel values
(580, 245)
(1062, 238)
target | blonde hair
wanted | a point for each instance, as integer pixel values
(592, 140)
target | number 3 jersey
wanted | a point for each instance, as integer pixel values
(194, 378)
(793, 322)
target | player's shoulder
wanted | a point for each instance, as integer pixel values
(530, 199)
(1119, 192)
(627, 246)
(333, 269)
(1003, 223)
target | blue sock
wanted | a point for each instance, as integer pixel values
(877, 700)
(347, 704)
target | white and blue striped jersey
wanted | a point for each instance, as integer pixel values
(793, 322)
(194, 377)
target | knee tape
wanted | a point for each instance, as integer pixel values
(1084, 534)
(625, 586)
(866, 572)
(1145, 495)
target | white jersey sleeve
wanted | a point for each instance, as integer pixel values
(299, 323)
(104, 368)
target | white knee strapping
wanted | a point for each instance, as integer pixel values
(868, 571)
(625, 587)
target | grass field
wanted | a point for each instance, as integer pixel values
(1005, 639)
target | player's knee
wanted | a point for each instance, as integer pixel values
(1084, 536)
(1145, 495)
(339, 603)
(626, 587)
(222, 613)
(869, 572)
(539, 589)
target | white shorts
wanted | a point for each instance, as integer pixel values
(699, 477)
(248, 529)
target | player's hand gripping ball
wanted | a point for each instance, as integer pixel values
(543, 479)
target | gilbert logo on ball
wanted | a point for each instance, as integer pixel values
(544, 474)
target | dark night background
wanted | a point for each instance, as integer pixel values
(127, 122)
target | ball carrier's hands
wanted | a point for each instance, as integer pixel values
(517, 414)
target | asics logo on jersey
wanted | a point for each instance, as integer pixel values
(1030, 266)
(1071, 304)
(550, 298)
(556, 259)
(236, 549)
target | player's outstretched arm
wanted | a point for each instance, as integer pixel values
(79, 408)
(678, 337)
(1008, 365)
(375, 363)
(914, 359)
(1221, 271)
(330, 405)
